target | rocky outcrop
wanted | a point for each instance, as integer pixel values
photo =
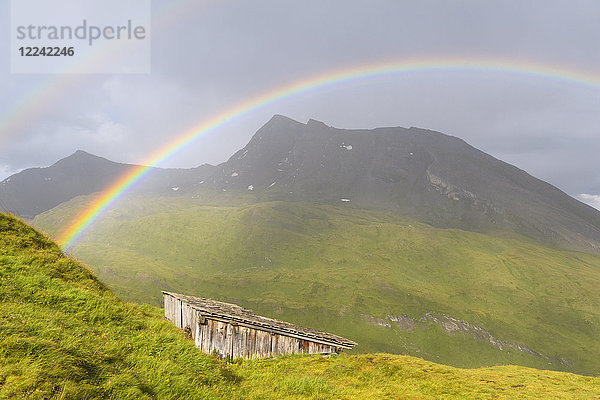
(453, 326)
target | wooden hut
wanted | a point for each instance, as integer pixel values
(234, 332)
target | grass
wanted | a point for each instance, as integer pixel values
(385, 376)
(339, 269)
(64, 335)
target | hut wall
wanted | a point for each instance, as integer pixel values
(180, 314)
(232, 340)
(188, 319)
(173, 310)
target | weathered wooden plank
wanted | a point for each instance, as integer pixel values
(266, 345)
(252, 343)
(249, 340)
(235, 340)
(260, 344)
(246, 341)
(220, 342)
(239, 341)
(178, 313)
(188, 318)
(273, 339)
(214, 332)
(228, 345)
(216, 339)
(171, 310)
(208, 336)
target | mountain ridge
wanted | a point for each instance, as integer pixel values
(436, 178)
(440, 179)
(36, 190)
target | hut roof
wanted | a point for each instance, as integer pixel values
(228, 312)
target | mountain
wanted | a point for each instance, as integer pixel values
(64, 335)
(35, 190)
(439, 179)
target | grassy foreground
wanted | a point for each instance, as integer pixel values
(63, 335)
(384, 376)
(353, 272)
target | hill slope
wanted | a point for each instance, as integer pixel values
(35, 190)
(63, 335)
(388, 282)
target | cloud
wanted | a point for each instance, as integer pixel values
(6, 171)
(591, 199)
(211, 56)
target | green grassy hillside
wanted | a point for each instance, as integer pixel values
(63, 335)
(389, 283)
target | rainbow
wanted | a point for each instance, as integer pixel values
(50, 87)
(109, 196)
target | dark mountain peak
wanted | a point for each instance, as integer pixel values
(81, 159)
(82, 154)
(279, 120)
(285, 126)
(313, 123)
(277, 134)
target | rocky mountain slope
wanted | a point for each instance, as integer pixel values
(439, 179)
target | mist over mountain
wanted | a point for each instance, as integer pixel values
(439, 179)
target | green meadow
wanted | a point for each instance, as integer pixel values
(355, 273)
(64, 335)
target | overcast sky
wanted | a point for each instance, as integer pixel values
(208, 56)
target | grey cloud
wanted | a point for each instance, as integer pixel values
(209, 56)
